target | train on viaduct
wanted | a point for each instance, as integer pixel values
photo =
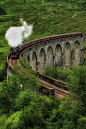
(49, 51)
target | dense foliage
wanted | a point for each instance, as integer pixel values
(59, 73)
(21, 109)
(75, 78)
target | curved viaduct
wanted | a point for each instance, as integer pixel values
(48, 51)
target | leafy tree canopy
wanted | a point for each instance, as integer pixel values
(25, 76)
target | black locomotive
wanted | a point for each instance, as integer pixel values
(15, 53)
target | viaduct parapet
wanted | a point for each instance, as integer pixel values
(51, 52)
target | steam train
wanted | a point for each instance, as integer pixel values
(15, 52)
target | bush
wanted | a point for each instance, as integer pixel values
(25, 75)
(2, 11)
(78, 82)
(2, 121)
(55, 120)
(82, 123)
(12, 87)
(59, 73)
(32, 117)
(37, 112)
(23, 99)
(4, 101)
(13, 121)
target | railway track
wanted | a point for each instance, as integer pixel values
(59, 92)
(45, 82)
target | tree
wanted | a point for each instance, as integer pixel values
(4, 100)
(78, 82)
(23, 99)
(25, 75)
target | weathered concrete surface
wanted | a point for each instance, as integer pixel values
(51, 53)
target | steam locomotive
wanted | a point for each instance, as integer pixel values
(15, 52)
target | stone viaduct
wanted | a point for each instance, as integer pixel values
(48, 53)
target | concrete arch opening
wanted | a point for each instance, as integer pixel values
(42, 60)
(58, 55)
(28, 58)
(49, 56)
(34, 61)
(77, 53)
(67, 59)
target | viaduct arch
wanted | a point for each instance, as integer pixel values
(49, 51)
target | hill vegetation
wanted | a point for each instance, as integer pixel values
(19, 107)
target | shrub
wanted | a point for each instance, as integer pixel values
(2, 121)
(59, 73)
(4, 101)
(23, 99)
(13, 121)
(78, 83)
(82, 123)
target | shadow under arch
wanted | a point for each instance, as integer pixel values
(67, 55)
(76, 53)
(49, 56)
(34, 61)
(42, 60)
(28, 58)
(58, 55)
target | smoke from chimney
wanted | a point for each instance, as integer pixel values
(15, 35)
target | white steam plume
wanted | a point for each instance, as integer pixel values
(15, 35)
